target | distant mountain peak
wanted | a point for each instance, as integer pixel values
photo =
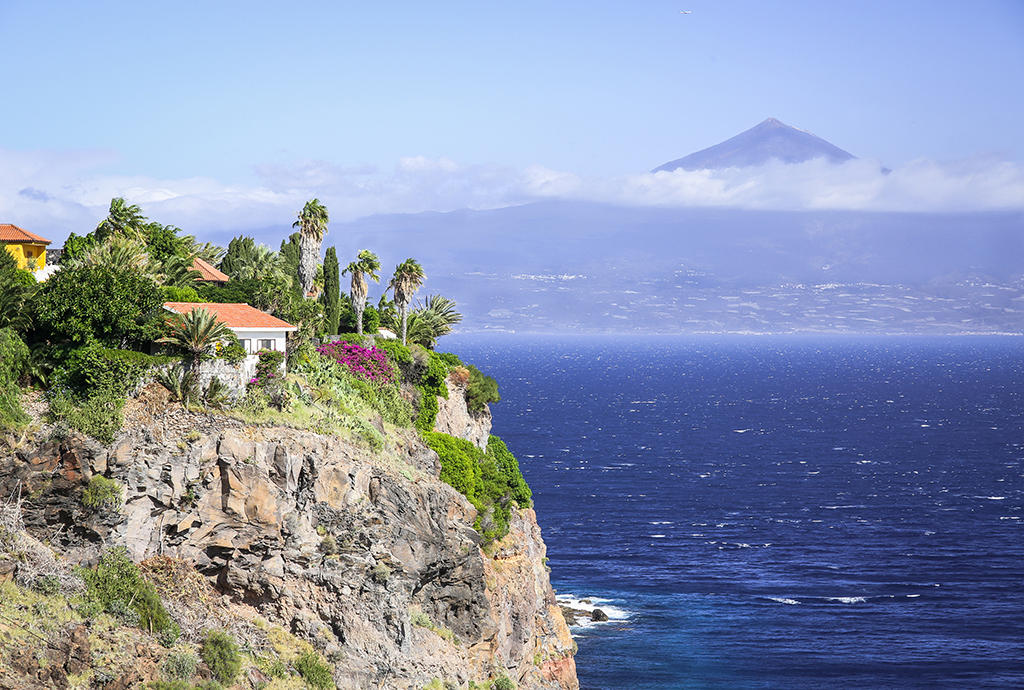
(758, 145)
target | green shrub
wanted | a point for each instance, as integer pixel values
(491, 481)
(503, 683)
(116, 583)
(314, 671)
(221, 654)
(98, 416)
(102, 494)
(429, 407)
(168, 685)
(232, 351)
(180, 665)
(509, 468)
(482, 389)
(13, 356)
(380, 573)
(173, 293)
(460, 466)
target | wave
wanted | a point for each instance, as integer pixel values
(780, 600)
(588, 604)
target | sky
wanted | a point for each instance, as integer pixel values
(225, 116)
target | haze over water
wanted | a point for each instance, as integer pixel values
(776, 512)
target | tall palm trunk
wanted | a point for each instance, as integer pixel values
(309, 246)
(360, 289)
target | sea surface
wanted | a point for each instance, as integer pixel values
(776, 512)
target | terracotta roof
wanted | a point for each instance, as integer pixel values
(232, 315)
(208, 272)
(12, 233)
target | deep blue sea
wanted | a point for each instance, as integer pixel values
(776, 512)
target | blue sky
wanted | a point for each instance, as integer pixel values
(225, 115)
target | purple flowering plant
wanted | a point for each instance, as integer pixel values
(371, 364)
(268, 368)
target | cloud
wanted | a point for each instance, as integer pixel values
(54, 193)
(979, 183)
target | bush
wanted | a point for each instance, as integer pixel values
(13, 356)
(180, 665)
(427, 417)
(220, 653)
(102, 494)
(370, 364)
(232, 352)
(509, 468)
(118, 586)
(482, 389)
(98, 416)
(503, 683)
(314, 671)
(491, 480)
(460, 467)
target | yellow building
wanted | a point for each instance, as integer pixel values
(28, 248)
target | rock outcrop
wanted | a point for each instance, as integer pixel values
(455, 419)
(368, 555)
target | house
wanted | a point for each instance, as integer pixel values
(209, 274)
(255, 329)
(27, 247)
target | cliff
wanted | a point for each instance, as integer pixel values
(365, 554)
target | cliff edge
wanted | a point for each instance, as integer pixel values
(363, 553)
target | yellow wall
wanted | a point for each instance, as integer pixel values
(21, 253)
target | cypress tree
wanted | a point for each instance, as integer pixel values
(332, 291)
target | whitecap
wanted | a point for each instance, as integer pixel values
(849, 600)
(784, 601)
(657, 536)
(588, 604)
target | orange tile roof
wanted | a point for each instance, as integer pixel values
(208, 272)
(12, 233)
(232, 315)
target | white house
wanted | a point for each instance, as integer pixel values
(255, 329)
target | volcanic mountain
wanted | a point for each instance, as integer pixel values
(758, 145)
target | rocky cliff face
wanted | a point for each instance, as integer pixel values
(366, 554)
(454, 419)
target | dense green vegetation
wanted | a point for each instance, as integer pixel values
(116, 585)
(491, 480)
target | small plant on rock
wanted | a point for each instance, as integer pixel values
(314, 671)
(220, 653)
(102, 494)
(503, 683)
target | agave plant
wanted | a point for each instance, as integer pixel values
(181, 384)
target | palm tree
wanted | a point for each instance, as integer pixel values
(408, 278)
(122, 219)
(196, 332)
(366, 264)
(122, 253)
(312, 225)
(432, 320)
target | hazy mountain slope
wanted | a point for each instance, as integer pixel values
(758, 145)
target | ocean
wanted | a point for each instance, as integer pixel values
(783, 512)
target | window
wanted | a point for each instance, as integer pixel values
(266, 344)
(247, 345)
